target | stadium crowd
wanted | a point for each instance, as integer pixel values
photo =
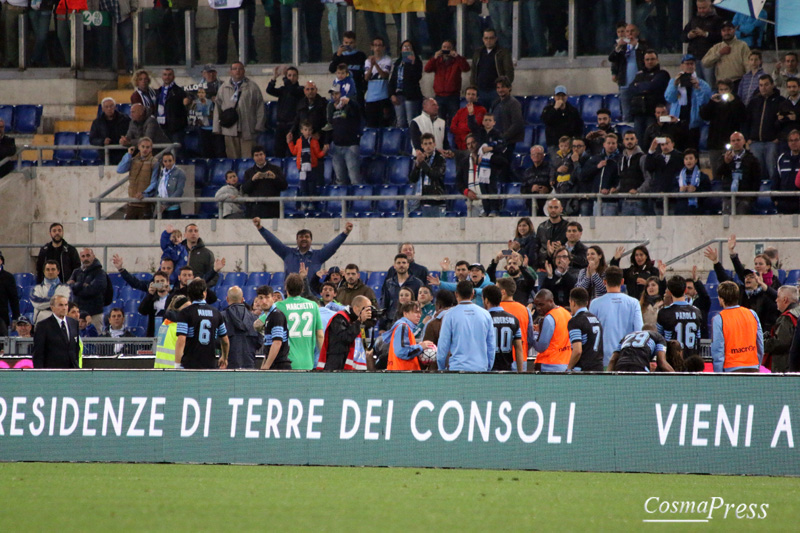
(565, 302)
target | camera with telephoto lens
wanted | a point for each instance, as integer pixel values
(377, 314)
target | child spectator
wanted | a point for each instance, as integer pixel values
(691, 180)
(306, 150)
(87, 328)
(230, 191)
(171, 247)
(344, 83)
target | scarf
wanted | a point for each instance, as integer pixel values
(162, 184)
(400, 71)
(652, 300)
(485, 165)
(767, 277)
(148, 98)
(736, 173)
(163, 92)
(305, 158)
(693, 180)
(236, 88)
(754, 292)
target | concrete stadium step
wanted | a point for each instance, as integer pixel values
(120, 96)
(39, 140)
(73, 125)
(124, 82)
(85, 112)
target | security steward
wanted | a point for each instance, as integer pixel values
(551, 339)
(168, 333)
(738, 344)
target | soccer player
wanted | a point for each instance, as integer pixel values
(636, 351)
(508, 289)
(619, 314)
(199, 326)
(467, 335)
(552, 341)
(585, 334)
(276, 337)
(680, 321)
(305, 324)
(738, 342)
(507, 332)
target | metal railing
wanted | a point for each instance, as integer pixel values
(105, 247)
(662, 198)
(106, 149)
(722, 241)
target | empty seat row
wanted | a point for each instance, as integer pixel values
(21, 118)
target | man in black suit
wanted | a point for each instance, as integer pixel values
(55, 343)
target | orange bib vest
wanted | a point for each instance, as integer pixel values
(397, 363)
(560, 349)
(521, 313)
(740, 331)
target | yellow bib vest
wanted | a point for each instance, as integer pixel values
(165, 350)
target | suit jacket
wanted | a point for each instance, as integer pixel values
(51, 349)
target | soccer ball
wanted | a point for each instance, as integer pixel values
(428, 355)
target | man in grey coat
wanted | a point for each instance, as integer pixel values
(239, 137)
(245, 341)
(143, 125)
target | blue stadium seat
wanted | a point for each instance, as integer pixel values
(25, 307)
(450, 172)
(132, 306)
(361, 206)
(200, 173)
(373, 170)
(278, 279)
(27, 118)
(191, 143)
(25, 279)
(514, 206)
(575, 100)
(266, 139)
(289, 208)
(125, 109)
(781, 275)
(236, 278)
(457, 208)
(129, 293)
(65, 138)
(520, 164)
(334, 207)
(622, 129)
(116, 279)
(588, 127)
(209, 209)
(217, 168)
(147, 277)
(763, 204)
(291, 171)
(7, 115)
(249, 293)
(387, 205)
(257, 279)
(369, 142)
(612, 104)
(271, 113)
(523, 102)
(590, 105)
(50, 163)
(524, 146)
(393, 141)
(328, 171)
(792, 277)
(407, 189)
(241, 166)
(451, 140)
(83, 140)
(398, 169)
(704, 137)
(540, 137)
(534, 107)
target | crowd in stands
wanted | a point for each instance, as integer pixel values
(720, 123)
(551, 279)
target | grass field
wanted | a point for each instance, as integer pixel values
(104, 497)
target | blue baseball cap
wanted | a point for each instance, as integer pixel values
(688, 57)
(560, 89)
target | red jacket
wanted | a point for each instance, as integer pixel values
(296, 148)
(460, 127)
(447, 77)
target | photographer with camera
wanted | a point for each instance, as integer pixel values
(154, 304)
(343, 345)
(687, 93)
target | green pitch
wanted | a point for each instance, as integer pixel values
(125, 497)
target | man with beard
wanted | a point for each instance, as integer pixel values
(476, 276)
(88, 284)
(559, 280)
(524, 280)
(60, 251)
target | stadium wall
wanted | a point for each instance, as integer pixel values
(717, 424)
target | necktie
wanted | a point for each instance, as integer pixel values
(64, 329)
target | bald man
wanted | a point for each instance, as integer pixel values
(244, 339)
(313, 108)
(88, 284)
(343, 347)
(551, 334)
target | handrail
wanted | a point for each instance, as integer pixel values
(38, 148)
(598, 197)
(722, 240)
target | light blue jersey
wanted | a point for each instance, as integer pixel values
(619, 314)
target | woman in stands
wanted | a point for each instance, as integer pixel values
(526, 237)
(762, 265)
(405, 296)
(651, 300)
(591, 278)
(404, 88)
(641, 269)
(142, 93)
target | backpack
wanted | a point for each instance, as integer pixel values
(108, 297)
